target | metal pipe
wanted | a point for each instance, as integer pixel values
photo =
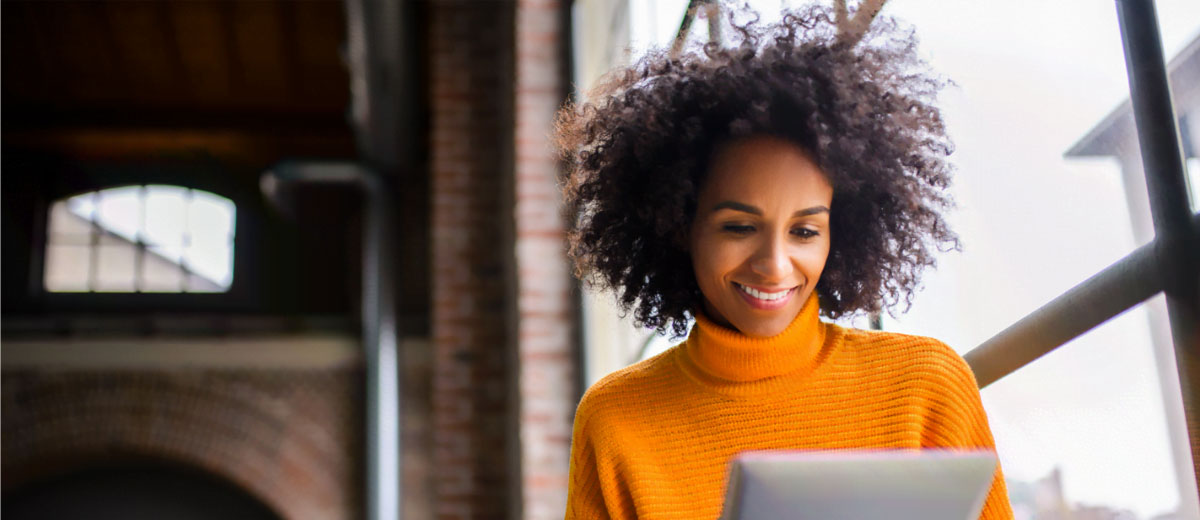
(1162, 158)
(1118, 287)
(1114, 290)
(380, 334)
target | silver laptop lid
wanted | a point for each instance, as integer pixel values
(859, 485)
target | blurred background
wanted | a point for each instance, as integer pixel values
(304, 259)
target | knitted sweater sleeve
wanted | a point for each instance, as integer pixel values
(957, 420)
(591, 472)
(584, 497)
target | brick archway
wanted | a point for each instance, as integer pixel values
(291, 440)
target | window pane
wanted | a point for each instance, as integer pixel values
(119, 210)
(115, 266)
(166, 215)
(161, 271)
(1094, 411)
(200, 284)
(84, 205)
(1042, 177)
(211, 260)
(67, 267)
(67, 227)
(210, 217)
(172, 253)
(187, 236)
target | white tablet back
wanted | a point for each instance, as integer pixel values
(896, 485)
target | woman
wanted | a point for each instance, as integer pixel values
(752, 189)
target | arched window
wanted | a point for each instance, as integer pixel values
(140, 239)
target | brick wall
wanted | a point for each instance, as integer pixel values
(503, 338)
(292, 439)
(470, 107)
(545, 304)
(502, 382)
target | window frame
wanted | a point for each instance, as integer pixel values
(198, 173)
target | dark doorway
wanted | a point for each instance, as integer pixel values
(133, 492)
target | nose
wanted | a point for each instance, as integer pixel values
(772, 260)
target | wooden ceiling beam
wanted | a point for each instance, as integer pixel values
(230, 145)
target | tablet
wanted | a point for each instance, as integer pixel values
(858, 485)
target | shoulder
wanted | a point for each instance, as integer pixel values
(933, 374)
(915, 354)
(628, 389)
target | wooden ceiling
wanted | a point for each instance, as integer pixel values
(84, 76)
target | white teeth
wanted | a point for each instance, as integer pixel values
(763, 295)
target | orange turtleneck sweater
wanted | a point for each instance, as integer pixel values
(653, 441)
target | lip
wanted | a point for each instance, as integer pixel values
(765, 305)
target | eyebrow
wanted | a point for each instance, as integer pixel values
(746, 208)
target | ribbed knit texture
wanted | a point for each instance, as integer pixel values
(653, 441)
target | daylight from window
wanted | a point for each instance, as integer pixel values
(1090, 430)
(150, 238)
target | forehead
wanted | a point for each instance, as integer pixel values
(765, 169)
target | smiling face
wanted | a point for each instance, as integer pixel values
(760, 235)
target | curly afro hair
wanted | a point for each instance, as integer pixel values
(639, 150)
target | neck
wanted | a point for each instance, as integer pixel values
(727, 354)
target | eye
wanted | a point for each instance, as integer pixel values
(804, 232)
(737, 229)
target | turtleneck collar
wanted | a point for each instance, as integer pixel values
(729, 355)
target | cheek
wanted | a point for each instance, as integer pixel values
(813, 260)
(702, 266)
(712, 260)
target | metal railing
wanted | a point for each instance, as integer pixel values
(1169, 264)
(1119, 287)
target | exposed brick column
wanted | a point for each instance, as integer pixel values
(471, 95)
(545, 301)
